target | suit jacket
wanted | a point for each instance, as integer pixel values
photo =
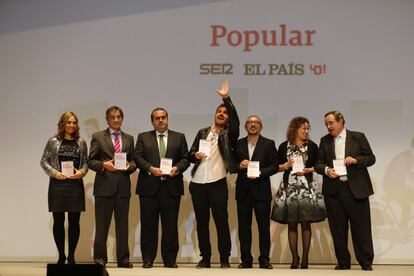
(356, 146)
(147, 155)
(226, 142)
(108, 183)
(265, 152)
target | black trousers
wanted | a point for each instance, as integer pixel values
(104, 208)
(152, 208)
(344, 210)
(261, 209)
(212, 196)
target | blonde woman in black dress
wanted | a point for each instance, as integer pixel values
(66, 192)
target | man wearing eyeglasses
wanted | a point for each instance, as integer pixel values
(257, 158)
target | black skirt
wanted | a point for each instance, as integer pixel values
(66, 195)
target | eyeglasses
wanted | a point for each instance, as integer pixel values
(253, 123)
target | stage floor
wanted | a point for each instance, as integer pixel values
(39, 269)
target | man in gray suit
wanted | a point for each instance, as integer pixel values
(112, 187)
(347, 193)
(159, 191)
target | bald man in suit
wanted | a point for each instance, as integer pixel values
(255, 193)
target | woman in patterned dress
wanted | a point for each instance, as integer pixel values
(66, 192)
(302, 202)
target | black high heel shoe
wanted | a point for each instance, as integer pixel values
(71, 260)
(295, 265)
(62, 259)
(304, 264)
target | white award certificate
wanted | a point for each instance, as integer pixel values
(166, 165)
(205, 147)
(120, 160)
(339, 166)
(67, 168)
(298, 164)
(253, 169)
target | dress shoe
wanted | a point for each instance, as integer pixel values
(204, 263)
(366, 267)
(147, 264)
(125, 265)
(245, 265)
(99, 262)
(225, 264)
(266, 265)
(342, 267)
(303, 266)
(171, 265)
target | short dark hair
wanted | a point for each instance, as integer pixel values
(337, 114)
(112, 109)
(250, 116)
(220, 106)
(158, 109)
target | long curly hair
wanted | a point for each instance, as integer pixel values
(64, 118)
(293, 127)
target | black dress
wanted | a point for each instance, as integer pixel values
(67, 195)
(298, 198)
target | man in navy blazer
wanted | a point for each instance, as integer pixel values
(112, 187)
(160, 193)
(346, 195)
(254, 193)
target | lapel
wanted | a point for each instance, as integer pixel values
(108, 140)
(154, 142)
(331, 146)
(256, 151)
(124, 141)
(244, 148)
(205, 133)
(348, 143)
(169, 144)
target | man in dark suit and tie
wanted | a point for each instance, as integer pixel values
(254, 193)
(112, 187)
(160, 191)
(343, 159)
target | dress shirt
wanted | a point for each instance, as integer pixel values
(251, 148)
(340, 148)
(211, 168)
(165, 138)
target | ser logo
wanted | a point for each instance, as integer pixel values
(216, 69)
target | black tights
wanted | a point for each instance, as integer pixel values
(293, 241)
(59, 232)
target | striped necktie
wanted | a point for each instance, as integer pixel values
(117, 143)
